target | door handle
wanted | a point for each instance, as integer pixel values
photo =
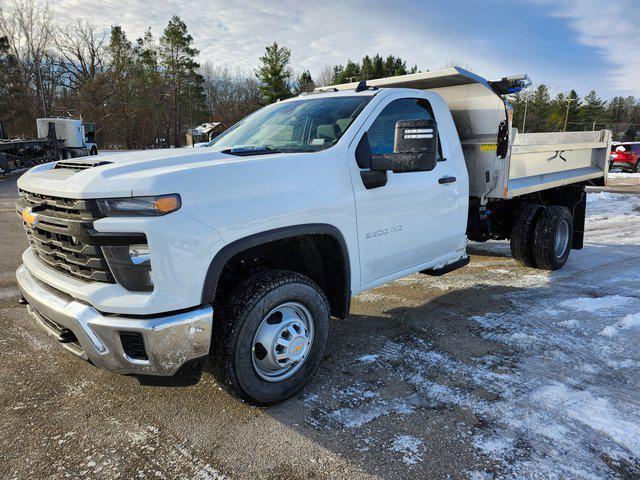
(446, 180)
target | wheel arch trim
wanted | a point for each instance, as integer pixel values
(238, 246)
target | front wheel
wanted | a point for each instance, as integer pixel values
(271, 336)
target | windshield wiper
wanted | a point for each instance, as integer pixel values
(250, 150)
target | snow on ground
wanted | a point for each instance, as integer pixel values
(618, 174)
(560, 398)
(409, 447)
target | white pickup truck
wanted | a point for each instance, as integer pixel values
(147, 262)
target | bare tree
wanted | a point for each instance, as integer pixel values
(229, 96)
(28, 28)
(82, 49)
(456, 62)
(325, 77)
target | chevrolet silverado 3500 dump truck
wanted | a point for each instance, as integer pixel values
(145, 262)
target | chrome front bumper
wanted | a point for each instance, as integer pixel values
(169, 341)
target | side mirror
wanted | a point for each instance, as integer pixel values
(415, 148)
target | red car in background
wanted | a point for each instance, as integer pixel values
(625, 156)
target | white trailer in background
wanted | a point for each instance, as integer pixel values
(58, 139)
(79, 139)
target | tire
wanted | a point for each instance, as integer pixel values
(553, 237)
(94, 151)
(522, 234)
(236, 351)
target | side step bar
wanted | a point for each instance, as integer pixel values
(463, 262)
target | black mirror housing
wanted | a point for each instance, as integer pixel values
(415, 148)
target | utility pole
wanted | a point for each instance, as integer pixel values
(566, 117)
(524, 119)
(193, 145)
(44, 103)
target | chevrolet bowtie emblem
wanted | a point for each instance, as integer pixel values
(30, 218)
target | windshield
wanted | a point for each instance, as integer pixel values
(301, 126)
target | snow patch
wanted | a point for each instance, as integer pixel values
(368, 358)
(608, 331)
(630, 321)
(590, 304)
(593, 411)
(409, 447)
(601, 197)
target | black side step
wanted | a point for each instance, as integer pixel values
(463, 262)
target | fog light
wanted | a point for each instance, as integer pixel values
(131, 266)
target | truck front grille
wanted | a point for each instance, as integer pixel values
(61, 236)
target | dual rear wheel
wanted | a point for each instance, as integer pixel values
(541, 236)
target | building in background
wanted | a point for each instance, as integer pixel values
(203, 133)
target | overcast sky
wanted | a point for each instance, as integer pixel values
(582, 44)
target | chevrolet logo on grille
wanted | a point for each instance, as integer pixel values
(30, 218)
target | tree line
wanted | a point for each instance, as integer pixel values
(537, 111)
(147, 92)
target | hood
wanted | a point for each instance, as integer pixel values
(115, 175)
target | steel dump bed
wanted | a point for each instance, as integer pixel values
(503, 163)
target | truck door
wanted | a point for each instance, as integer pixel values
(414, 218)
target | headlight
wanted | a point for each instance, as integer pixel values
(131, 266)
(146, 206)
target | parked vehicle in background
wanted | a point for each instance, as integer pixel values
(58, 139)
(146, 262)
(626, 156)
(79, 138)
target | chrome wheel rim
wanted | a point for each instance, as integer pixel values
(561, 243)
(282, 342)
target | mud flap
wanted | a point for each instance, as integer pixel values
(579, 213)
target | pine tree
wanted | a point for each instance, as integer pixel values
(120, 80)
(539, 109)
(366, 70)
(350, 73)
(371, 68)
(630, 134)
(177, 56)
(305, 83)
(378, 66)
(557, 108)
(275, 75)
(592, 110)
